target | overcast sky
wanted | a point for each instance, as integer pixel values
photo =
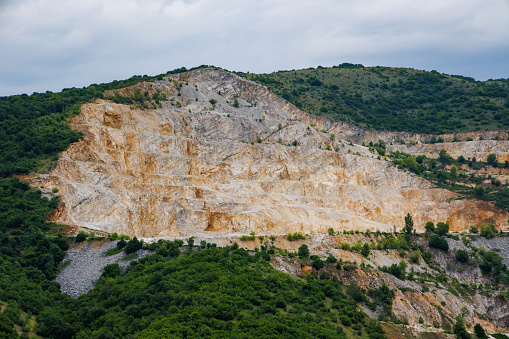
(54, 44)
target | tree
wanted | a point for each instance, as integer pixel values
(111, 270)
(442, 228)
(430, 227)
(459, 329)
(409, 224)
(81, 236)
(462, 256)
(444, 157)
(478, 191)
(318, 264)
(330, 231)
(492, 160)
(133, 245)
(303, 251)
(479, 331)
(331, 259)
(453, 173)
(488, 231)
(438, 242)
(365, 250)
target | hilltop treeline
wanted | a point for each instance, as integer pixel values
(397, 99)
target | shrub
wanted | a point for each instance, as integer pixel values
(318, 264)
(295, 236)
(442, 228)
(345, 320)
(365, 250)
(54, 190)
(415, 257)
(438, 242)
(488, 231)
(479, 331)
(330, 231)
(121, 243)
(430, 227)
(303, 252)
(331, 259)
(474, 230)
(133, 245)
(462, 256)
(82, 236)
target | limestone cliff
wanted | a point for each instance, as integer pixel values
(225, 155)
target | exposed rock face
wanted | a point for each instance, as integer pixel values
(410, 302)
(192, 167)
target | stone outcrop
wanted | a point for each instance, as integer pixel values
(225, 155)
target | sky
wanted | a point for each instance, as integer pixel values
(56, 44)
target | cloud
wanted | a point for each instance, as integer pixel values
(51, 44)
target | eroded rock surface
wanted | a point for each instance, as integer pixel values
(249, 162)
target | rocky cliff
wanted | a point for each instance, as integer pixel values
(224, 155)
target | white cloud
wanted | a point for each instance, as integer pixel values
(51, 44)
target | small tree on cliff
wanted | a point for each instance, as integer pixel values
(303, 252)
(133, 245)
(409, 225)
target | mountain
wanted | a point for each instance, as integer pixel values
(395, 99)
(222, 155)
(378, 233)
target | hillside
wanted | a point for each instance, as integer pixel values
(401, 227)
(394, 99)
(223, 155)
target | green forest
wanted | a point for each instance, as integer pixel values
(203, 292)
(396, 99)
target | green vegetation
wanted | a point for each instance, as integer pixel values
(210, 292)
(438, 242)
(296, 236)
(436, 171)
(34, 128)
(398, 99)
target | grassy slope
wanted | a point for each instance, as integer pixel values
(397, 99)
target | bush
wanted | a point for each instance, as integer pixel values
(438, 242)
(133, 245)
(331, 259)
(488, 231)
(479, 331)
(345, 320)
(295, 236)
(365, 250)
(442, 228)
(121, 243)
(474, 230)
(462, 256)
(82, 236)
(318, 264)
(430, 227)
(303, 252)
